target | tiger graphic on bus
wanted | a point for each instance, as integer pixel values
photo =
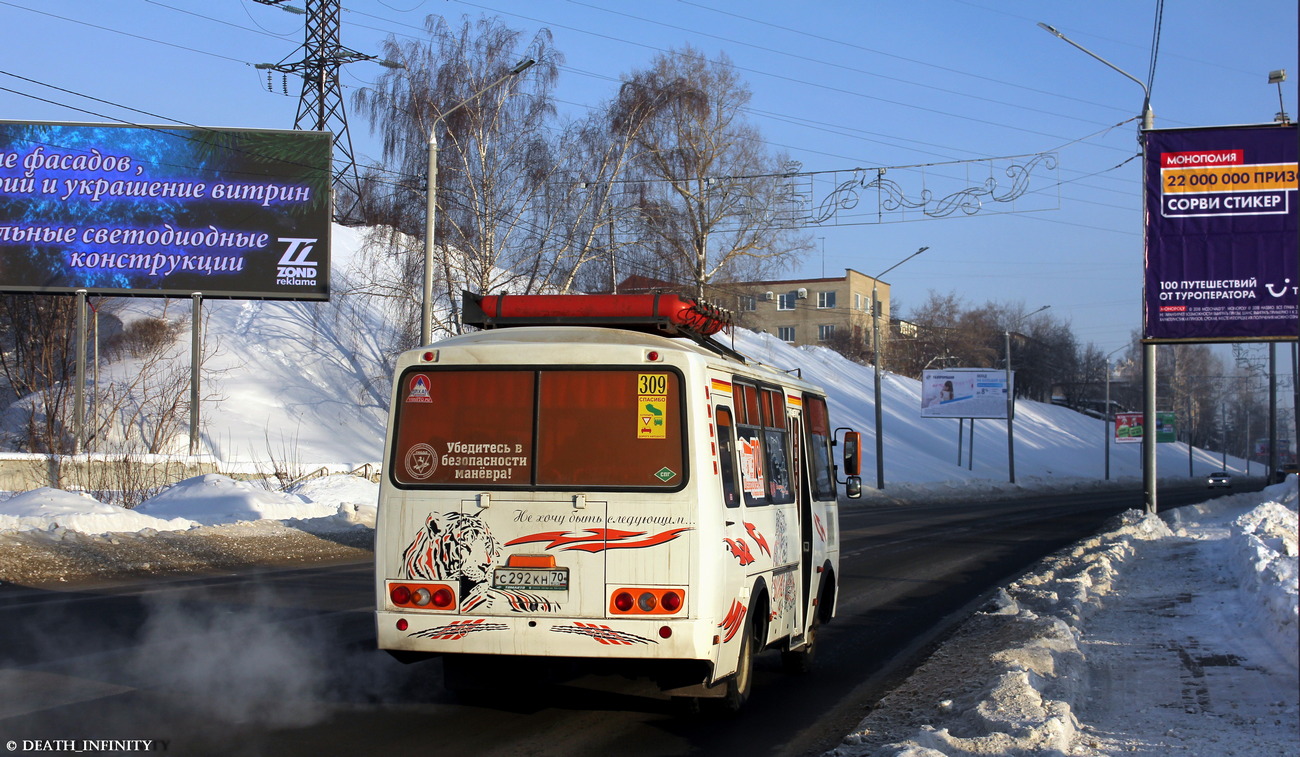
(461, 548)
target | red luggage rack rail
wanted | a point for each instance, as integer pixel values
(665, 314)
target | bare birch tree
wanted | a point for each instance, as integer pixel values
(713, 196)
(494, 155)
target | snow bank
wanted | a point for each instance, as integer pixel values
(55, 510)
(212, 499)
(1011, 680)
(1265, 558)
(321, 505)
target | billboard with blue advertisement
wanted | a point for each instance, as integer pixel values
(964, 393)
(164, 211)
(1221, 244)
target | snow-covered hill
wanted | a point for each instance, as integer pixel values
(306, 384)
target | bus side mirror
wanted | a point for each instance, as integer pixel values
(852, 454)
(852, 462)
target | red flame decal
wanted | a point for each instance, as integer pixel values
(598, 539)
(731, 623)
(758, 538)
(740, 549)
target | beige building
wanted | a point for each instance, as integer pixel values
(799, 311)
(808, 311)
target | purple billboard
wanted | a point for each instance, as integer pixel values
(1221, 244)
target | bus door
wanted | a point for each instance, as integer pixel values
(818, 487)
(805, 516)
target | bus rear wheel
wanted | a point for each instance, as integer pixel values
(740, 684)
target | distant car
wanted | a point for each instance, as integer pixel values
(1220, 478)
(1284, 470)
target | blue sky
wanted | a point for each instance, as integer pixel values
(836, 85)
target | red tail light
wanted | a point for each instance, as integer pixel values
(422, 596)
(646, 601)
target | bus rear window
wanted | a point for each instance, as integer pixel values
(555, 429)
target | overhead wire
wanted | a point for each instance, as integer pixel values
(818, 61)
(789, 79)
(399, 175)
(125, 33)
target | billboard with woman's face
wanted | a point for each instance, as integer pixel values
(964, 393)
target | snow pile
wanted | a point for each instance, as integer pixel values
(1265, 559)
(325, 504)
(56, 511)
(213, 498)
(355, 502)
(1068, 659)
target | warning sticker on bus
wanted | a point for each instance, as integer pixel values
(651, 412)
(652, 406)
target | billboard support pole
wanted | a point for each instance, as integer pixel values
(92, 402)
(970, 454)
(961, 428)
(1149, 425)
(196, 354)
(79, 400)
(1272, 410)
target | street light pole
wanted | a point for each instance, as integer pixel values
(426, 312)
(1011, 397)
(875, 349)
(1148, 349)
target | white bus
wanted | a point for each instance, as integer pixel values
(578, 480)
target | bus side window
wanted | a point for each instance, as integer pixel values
(749, 443)
(818, 426)
(727, 456)
(779, 487)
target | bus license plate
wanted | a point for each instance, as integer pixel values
(546, 579)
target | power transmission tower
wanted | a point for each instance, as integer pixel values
(320, 106)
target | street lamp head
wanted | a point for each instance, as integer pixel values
(522, 66)
(1148, 118)
(1277, 77)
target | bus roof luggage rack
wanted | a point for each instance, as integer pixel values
(663, 314)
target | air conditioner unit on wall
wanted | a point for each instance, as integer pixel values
(768, 296)
(803, 293)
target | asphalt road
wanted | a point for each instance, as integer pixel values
(282, 662)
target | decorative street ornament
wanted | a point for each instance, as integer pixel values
(910, 193)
